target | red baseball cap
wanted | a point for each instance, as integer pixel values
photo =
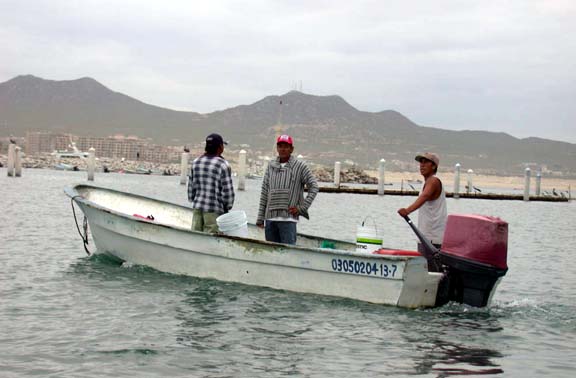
(285, 139)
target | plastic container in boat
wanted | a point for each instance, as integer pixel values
(368, 239)
(233, 223)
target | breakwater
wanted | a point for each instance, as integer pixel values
(352, 176)
(103, 164)
(489, 196)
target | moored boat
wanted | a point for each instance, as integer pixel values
(158, 234)
(74, 154)
(65, 167)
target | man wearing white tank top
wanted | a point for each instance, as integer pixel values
(431, 203)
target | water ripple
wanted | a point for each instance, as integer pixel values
(63, 314)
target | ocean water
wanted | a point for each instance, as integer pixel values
(64, 314)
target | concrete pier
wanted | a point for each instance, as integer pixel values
(91, 164)
(470, 185)
(486, 196)
(381, 176)
(184, 167)
(11, 159)
(17, 162)
(527, 174)
(337, 167)
(456, 189)
(242, 170)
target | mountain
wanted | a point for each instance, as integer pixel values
(326, 128)
(81, 106)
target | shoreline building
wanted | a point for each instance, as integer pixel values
(116, 147)
(46, 142)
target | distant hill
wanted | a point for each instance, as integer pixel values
(81, 106)
(326, 128)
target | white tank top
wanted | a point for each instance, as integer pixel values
(432, 218)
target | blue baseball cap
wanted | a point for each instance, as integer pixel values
(215, 140)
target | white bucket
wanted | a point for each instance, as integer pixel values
(368, 239)
(233, 223)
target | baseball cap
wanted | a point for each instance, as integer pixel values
(428, 156)
(215, 140)
(285, 139)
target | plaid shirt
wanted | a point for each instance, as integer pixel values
(210, 186)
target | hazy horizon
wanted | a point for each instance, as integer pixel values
(453, 65)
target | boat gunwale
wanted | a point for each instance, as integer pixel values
(72, 192)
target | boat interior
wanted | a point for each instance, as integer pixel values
(178, 216)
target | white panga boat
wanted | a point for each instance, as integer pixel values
(75, 153)
(158, 234)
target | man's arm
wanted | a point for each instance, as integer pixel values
(431, 190)
(312, 185)
(308, 179)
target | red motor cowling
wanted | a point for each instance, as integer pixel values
(477, 238)
(473, 253)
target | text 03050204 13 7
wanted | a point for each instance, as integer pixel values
(367, 268)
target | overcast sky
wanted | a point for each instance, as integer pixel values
(506, 65)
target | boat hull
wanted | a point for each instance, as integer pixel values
(172, 247)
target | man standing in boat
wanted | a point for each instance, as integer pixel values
(210, 187)
(431, 204)
(282, 198)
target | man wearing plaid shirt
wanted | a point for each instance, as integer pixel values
(210, 186)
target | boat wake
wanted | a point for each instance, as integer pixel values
(528, 309)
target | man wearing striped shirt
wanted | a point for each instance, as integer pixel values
(282, 198)
(210, 186)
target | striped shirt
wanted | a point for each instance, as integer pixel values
(283, 187)
(210, 187)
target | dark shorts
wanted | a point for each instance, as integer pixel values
(280, 232)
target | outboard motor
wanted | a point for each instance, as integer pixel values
(473, 253)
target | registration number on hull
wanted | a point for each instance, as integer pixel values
(367, 268)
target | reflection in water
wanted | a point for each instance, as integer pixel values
(448, 358)
(451, 359)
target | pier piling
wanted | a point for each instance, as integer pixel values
(17, 162)
(10, 163)
(527, 184)
(242, 170)
(456, 189)
(91, 163)
(469, 187)
(184, 167)
(337, 167)
(381, 176)
(538, 182)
